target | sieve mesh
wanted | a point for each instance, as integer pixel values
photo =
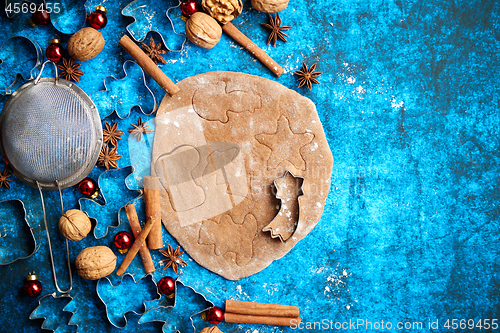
(49, 133)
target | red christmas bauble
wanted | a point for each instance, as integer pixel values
(32, 287)
(215, 315)
(122, 241)
(88, 187)
(54, 51)
(166, 286)
(189, 7)
(40, 17)
(98, 19)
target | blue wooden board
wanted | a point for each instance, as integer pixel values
(411, 230)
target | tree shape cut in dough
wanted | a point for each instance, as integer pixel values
(289, 189)
(291, 152)
(236, 101)
(230, 237)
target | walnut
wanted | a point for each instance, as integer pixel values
(223, 10)
(203, 30)
(270, 6)
(212, 329)
(74, 225)
(95, 262)
(85, 44)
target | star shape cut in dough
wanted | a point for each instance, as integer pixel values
(285, 145)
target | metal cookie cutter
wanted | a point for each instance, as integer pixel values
(106, 99)
(137, 291)
(288, 190)
(147, 18)
(9, 46)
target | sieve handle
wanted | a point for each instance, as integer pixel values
(41, 70)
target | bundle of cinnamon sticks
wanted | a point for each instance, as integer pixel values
(261, 313)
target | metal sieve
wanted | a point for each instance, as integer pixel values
(51, 136)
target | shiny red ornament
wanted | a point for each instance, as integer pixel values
(189, 7)
(98, 19)
(54, 51)
(123, 240)
(40, 17)
(32, 287)
(166, 286)
(88, 187)
(215, 315)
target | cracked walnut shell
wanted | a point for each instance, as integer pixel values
(223, 10)
(95, 262)
(85, 44)
(203, 30)
(74, 225)
(270, 6)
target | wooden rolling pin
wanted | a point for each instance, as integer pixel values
(148, 65)
(153, 211)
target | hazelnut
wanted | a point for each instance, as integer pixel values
(223, 10)
(203, 30)
(85, 44)
(95, 262)
(270, 6)
(74, 225)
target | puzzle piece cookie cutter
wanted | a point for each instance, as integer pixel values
(278, 226)
(19, 77)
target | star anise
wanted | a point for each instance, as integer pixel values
(107, 158)
(70, 70)
(173, 258)
(154, 51)
(277, 29)
(139, 129)
(111, 134)
(307, 76)
(4, 178)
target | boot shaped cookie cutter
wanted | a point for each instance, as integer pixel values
(285, 223)
(19, 77)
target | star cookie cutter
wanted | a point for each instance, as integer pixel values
(286, 221)
(10, 255)
(8, 55)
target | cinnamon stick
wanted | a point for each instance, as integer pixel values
(148, 65)
(250, 46)
(263, 320)
(261, 309)
(133, 219)
(153, 210)
(139, 241)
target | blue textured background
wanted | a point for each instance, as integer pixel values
(409, 103)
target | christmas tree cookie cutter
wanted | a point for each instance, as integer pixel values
(51, 320)
(108, 99)
(10, 234)
(148, 18)
(286, 221)
(9, 62)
